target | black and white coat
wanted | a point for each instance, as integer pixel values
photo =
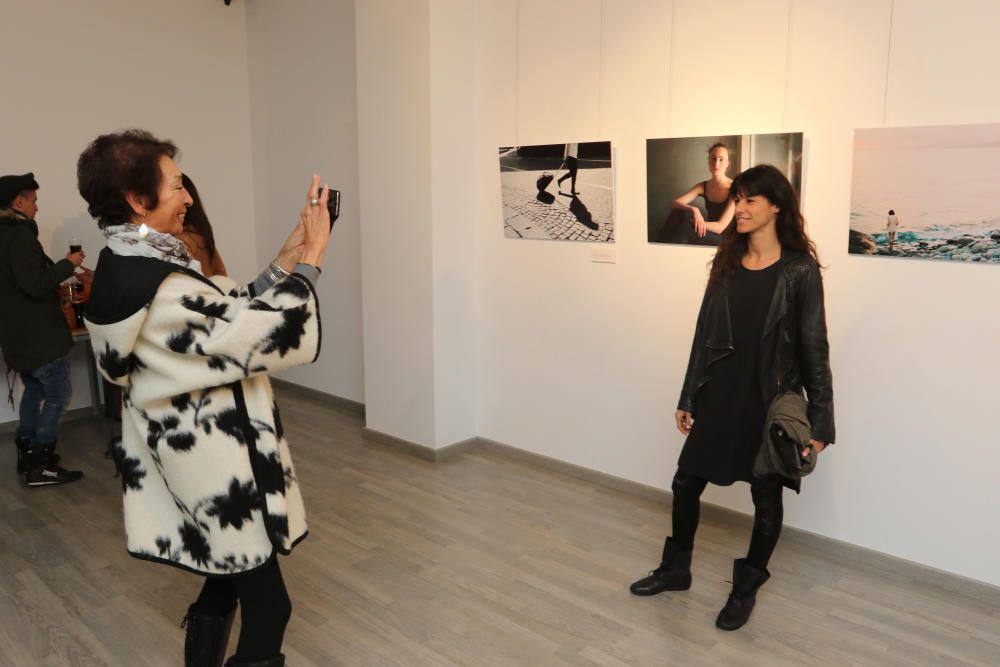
(206, 473)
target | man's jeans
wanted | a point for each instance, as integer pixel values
(46, 395)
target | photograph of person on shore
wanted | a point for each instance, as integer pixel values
(559, 192)
(891, 228)
(685, 207)
(926, 192)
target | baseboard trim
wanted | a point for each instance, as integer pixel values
(434, 455)
(345, 404)
(68, 416)
(604, 479)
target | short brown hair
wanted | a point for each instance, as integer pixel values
(117, 163)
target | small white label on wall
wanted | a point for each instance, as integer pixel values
(603, 255)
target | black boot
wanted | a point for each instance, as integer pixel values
(746, 580)
(206, 638)
(41, 473)
(674, 573)
(22, 444)
(51, 458)
(277, 661)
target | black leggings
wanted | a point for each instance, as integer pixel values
(571, 165)
(264, 609)
(767, 515)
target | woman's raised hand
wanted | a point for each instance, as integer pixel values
(315, 222)
(309, 239)
(684, 421)
(291, 252)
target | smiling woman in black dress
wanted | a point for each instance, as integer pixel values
(761, 331)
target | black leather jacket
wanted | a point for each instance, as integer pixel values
(794, 351)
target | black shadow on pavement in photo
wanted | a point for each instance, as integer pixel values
(583, 216)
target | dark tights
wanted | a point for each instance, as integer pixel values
(571, 165)
(767, 516)
(264, 609)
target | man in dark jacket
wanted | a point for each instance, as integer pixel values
(34, 335)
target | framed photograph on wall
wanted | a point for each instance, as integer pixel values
(688, 179)
(562, 192)
(926, 192)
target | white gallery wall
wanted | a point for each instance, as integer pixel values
(178, 69)
(394, 148)
(416, 123)
(303, 107)
(583, 362)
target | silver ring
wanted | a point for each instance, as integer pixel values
(314, 202)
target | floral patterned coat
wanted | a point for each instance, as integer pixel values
(208, 481)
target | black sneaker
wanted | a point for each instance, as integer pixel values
(51, 474)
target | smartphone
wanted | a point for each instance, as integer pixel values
(333, 204)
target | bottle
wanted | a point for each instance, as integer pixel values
(76, 297)
(66, 304)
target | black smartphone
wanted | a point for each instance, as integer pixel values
(333, 204)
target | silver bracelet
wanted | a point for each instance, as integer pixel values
(278, 270)
(272, 276)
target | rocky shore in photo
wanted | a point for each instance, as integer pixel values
(965, 248)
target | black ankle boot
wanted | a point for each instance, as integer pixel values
(48, 454)
(746, 580)
(277, 661)
(674, 573)
(51, 458)
(206, 638)
(22, 445)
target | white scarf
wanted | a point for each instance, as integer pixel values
(133, 241)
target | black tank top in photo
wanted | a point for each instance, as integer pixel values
(714, 209)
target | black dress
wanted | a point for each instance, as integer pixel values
(729, 408)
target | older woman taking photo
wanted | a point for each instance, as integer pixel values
(208, 482)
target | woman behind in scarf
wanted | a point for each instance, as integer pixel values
(207, 478)
(197, 234)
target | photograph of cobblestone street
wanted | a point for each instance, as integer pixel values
(558, 192)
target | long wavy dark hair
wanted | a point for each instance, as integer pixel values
(196, 218)
(765, 181)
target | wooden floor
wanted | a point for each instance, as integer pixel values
(477, 560)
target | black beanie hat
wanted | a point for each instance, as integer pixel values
(12, 186)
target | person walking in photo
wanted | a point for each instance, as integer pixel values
(760, 333)
(570, 164)
(891, 227)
